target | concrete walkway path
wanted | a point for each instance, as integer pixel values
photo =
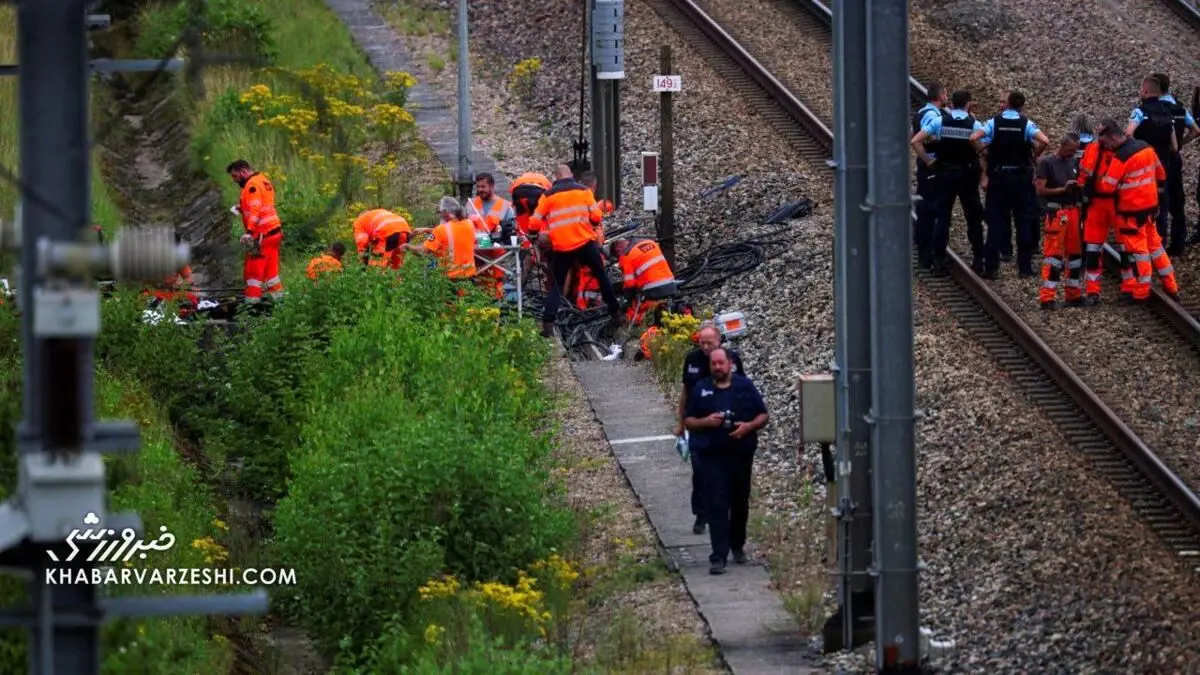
(436, 119)
(753, 631)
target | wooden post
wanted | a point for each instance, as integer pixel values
(666, 214)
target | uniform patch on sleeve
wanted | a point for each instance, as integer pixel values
(253, 189)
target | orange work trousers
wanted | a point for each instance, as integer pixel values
(1102, 220)
(1062, 255)
(1159, 259)
(261, 270)
(1131, 233)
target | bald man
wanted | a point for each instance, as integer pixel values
(696, 368)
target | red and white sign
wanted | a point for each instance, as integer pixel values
(666, 83)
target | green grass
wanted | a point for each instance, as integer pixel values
(104, 211)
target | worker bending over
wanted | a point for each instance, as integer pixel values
(526, 192)
(380, 236)
(646, 274)
(568, 214)
(263, 238)
(453, 242)
(1138, 178)
(1062, 251)
(1100, 218)
(329, 261)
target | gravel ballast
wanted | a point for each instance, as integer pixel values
(1033, 564)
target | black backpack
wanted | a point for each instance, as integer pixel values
(1158, 127)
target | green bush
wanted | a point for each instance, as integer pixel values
(403, 651)
(226, 26)
(418, 454)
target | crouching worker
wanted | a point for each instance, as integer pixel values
(647, 276)
(379, 236)
(1062, 246)
(329, 261)
(175, 288)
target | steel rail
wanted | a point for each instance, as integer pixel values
(1186, 10)
(1121, 436)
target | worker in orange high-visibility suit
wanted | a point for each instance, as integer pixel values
(329, 261)
(1100, 219)
(1062, 251)
(587, 289)
(379, 236)
(526, 191)
(568, 215)
(493, 214)
(453, 242)
(264, 232)
(175, 288)
(1136, 174)
(646, 274)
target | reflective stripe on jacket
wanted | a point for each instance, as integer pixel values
(568, 211)
(454, 244)
(257, 205)
(1134, 175)
(645, 267)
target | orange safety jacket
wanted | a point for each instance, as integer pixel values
(498, 209)
(322, 264)
(1135, 174)
(526, 191)
(1095, 161)
(372, 230)
(588, 288)
(645, 267)
(454, 244)
(175, 287)
(257, 206)
(569, 213)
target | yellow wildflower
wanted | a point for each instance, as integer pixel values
(439, 588)
(434, 633)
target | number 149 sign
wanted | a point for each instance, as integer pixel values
(666, 83)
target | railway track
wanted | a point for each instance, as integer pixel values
(1114, 450)
(1185, 9)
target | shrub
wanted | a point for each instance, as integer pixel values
(418, 455)
(671, 343)
(225, 25)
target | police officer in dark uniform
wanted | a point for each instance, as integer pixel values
(926, 177)
(1013, 143)
(1185, 131)
(1153, 122)
(957, 169)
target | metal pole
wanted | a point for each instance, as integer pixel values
(666, 214)
(53, 104)
(466, 178)
(852, 296)
(892, 386)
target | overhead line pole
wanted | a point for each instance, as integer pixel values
(852, 293)
(61, 475)
(466, 177)
(893, 390)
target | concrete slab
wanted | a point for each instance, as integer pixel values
(436, 119)
(755, 634)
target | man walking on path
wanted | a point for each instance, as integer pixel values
(724, 413)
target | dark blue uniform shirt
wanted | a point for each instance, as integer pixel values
(696, 363)
(741, 397)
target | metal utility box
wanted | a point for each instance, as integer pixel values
(608, 39)
(818, 419)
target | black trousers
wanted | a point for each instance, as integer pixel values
(926, 213)
(1174, 206)
(698, 508)
(561, 263)
(962, 184)
(1010, 196)
(727, 499)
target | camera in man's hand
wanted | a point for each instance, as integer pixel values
(727, 420)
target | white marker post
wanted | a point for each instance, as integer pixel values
(650, 181)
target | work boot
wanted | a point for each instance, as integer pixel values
(990, 273)
(1091, 301)
(1025, 271)
(739, 556)
(1047, 306)
(924, 260)
(1173, 296)
(977, 265)
(717, 568)
(547, 329)
(1076, 302)
(699, 525)
(940, 269)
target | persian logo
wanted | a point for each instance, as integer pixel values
(119, 550)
